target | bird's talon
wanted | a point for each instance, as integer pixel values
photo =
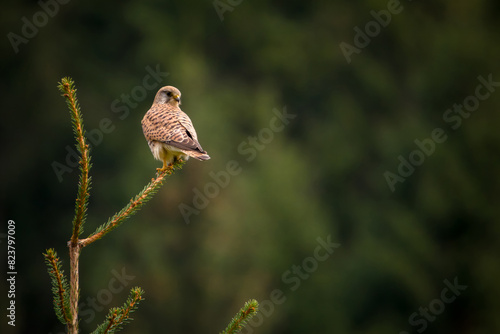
(165, 168)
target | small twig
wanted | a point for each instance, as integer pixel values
(59, 286)
(134, 205)
(242, 317)
(119, 316)
(67, 89)
(131, 305)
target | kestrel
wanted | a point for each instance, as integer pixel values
(169, 131)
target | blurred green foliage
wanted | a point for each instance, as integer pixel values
(321, 175)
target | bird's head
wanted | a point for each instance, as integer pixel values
(168, 95)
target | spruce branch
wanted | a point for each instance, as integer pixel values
(119, 316)
(59, 286)
(66, 298)
(74, 293)
(133, 206)
(68, 90)
(242, 317)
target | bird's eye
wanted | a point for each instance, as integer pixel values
(169, 94)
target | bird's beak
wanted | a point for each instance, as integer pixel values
(177, 98)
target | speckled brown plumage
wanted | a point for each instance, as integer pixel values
(169, 131)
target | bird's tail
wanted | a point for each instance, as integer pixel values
(198, 155)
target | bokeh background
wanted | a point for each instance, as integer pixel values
(321, 176)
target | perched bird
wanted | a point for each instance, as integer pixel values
(169, 131)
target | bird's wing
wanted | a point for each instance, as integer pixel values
(173, 128)
(181, 137)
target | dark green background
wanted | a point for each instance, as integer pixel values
(322, 175)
